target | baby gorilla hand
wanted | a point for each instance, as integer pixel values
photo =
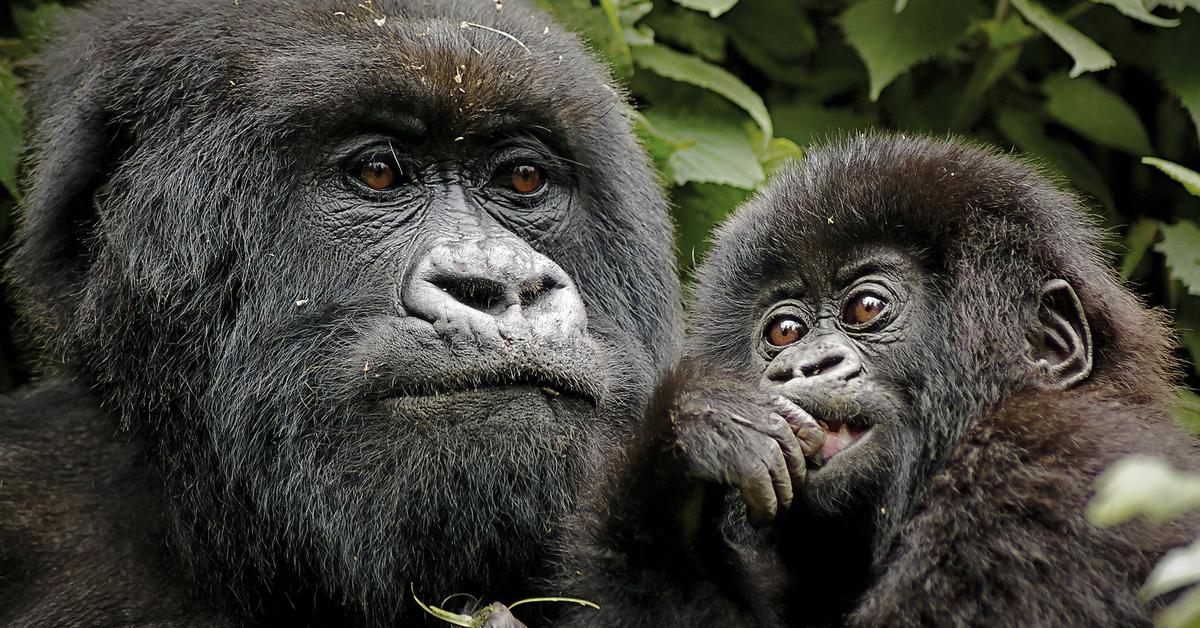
(727, 432)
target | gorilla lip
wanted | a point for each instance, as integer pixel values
(549, 384)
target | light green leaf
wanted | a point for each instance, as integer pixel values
(900, 4)
(1178, 5)
(775, 154)
(39, 23)
(1175, 62)
(1181, 246)
(1143, 486)
(1186, 410)
(1189, 178)
(692, 31)
(1178, 568)
(711, 150)
(1183, 613)
(1097, 113)
(12, 120)
(1141, 235)
(891, 43)
(696, 71)
(714, 8)
(1088, 55)
(1136, 10)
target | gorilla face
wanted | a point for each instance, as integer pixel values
(377, 284)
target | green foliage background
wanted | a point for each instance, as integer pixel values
(1105, 93)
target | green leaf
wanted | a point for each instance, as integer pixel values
(1141, 235)
(807, 122)
(1180, 567)
(1183, 613)
(39, 23)
(1178, 5)
(1189, 178)
(697, 208)
(12, 120)
(1088, 55)
(1181, 246)
(1097, 113)
(1186, 410)
(595, 26)
(690, 30)
(1143, 486)
(1175, 63)
(1002, 34)
(1136, 10)
(900, 4)
(712, 150)
(774, 37)
(1027, 132)
(714, 8)
(891, 43)
(696, 71)
(775, 154)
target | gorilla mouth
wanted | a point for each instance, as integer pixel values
(552, 385)
(841, 435)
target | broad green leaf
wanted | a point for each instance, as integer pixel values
(713, 151)
(1143, 486)
(1175, 62)
(1097, 113)
(1186, 410)
(697, 208)
(891, 43)
(1088, 55)
(1137, 10)
(714, 8)
(776, 153)
(690, 30)
(1181, 246)
(775, 37)
(1178, 5)
(806, 122)
(1180, 567)
(1183, 613)
(1002, 34)
(1141, 235)
(1189, 178)
(988, 70)
(900, 4)
(696, 71)
(1027, 132)
(12, 120)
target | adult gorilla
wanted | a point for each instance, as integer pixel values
(343, 300)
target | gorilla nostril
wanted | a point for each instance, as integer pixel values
(532, 290)
(824, 365)
(485, 295)
(782, 374)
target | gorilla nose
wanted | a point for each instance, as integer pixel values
(824, 361)
(494, 283)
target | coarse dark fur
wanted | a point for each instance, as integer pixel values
(967, 506)
(271, 399)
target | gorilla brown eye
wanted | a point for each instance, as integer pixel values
(785, 330)
(863, 309)
(527, 179)
(378, 175)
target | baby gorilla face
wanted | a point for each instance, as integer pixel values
(837, 340)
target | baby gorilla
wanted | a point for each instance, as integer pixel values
(915, 363)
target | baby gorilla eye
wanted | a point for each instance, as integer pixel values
(522, 178)
(785, 330)
(863, 308)
(379, 175)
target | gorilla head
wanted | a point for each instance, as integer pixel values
(902, 289)
(376, 284)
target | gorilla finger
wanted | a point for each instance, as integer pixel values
(803, 425)
(758, 493)
(793, 454)
(501, 617)
(782, 478)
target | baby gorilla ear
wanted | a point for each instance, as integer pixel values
(1061, 341)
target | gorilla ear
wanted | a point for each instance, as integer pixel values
(1061, 341)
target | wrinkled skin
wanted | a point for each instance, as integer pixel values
(364, 293)
(945, 317)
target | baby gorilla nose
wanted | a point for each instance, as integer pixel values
(822, 362)
(498, 284)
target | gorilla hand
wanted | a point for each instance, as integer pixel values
(500, 617)
(725, 432)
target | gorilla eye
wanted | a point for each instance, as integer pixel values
(378, 175)
(863, 308)
(523, 179)
(785, 330)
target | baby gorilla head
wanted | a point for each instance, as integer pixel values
(897, 289)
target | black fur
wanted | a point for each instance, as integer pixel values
(249, 417)
(966, 508)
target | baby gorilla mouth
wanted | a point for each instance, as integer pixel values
(840, 436)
